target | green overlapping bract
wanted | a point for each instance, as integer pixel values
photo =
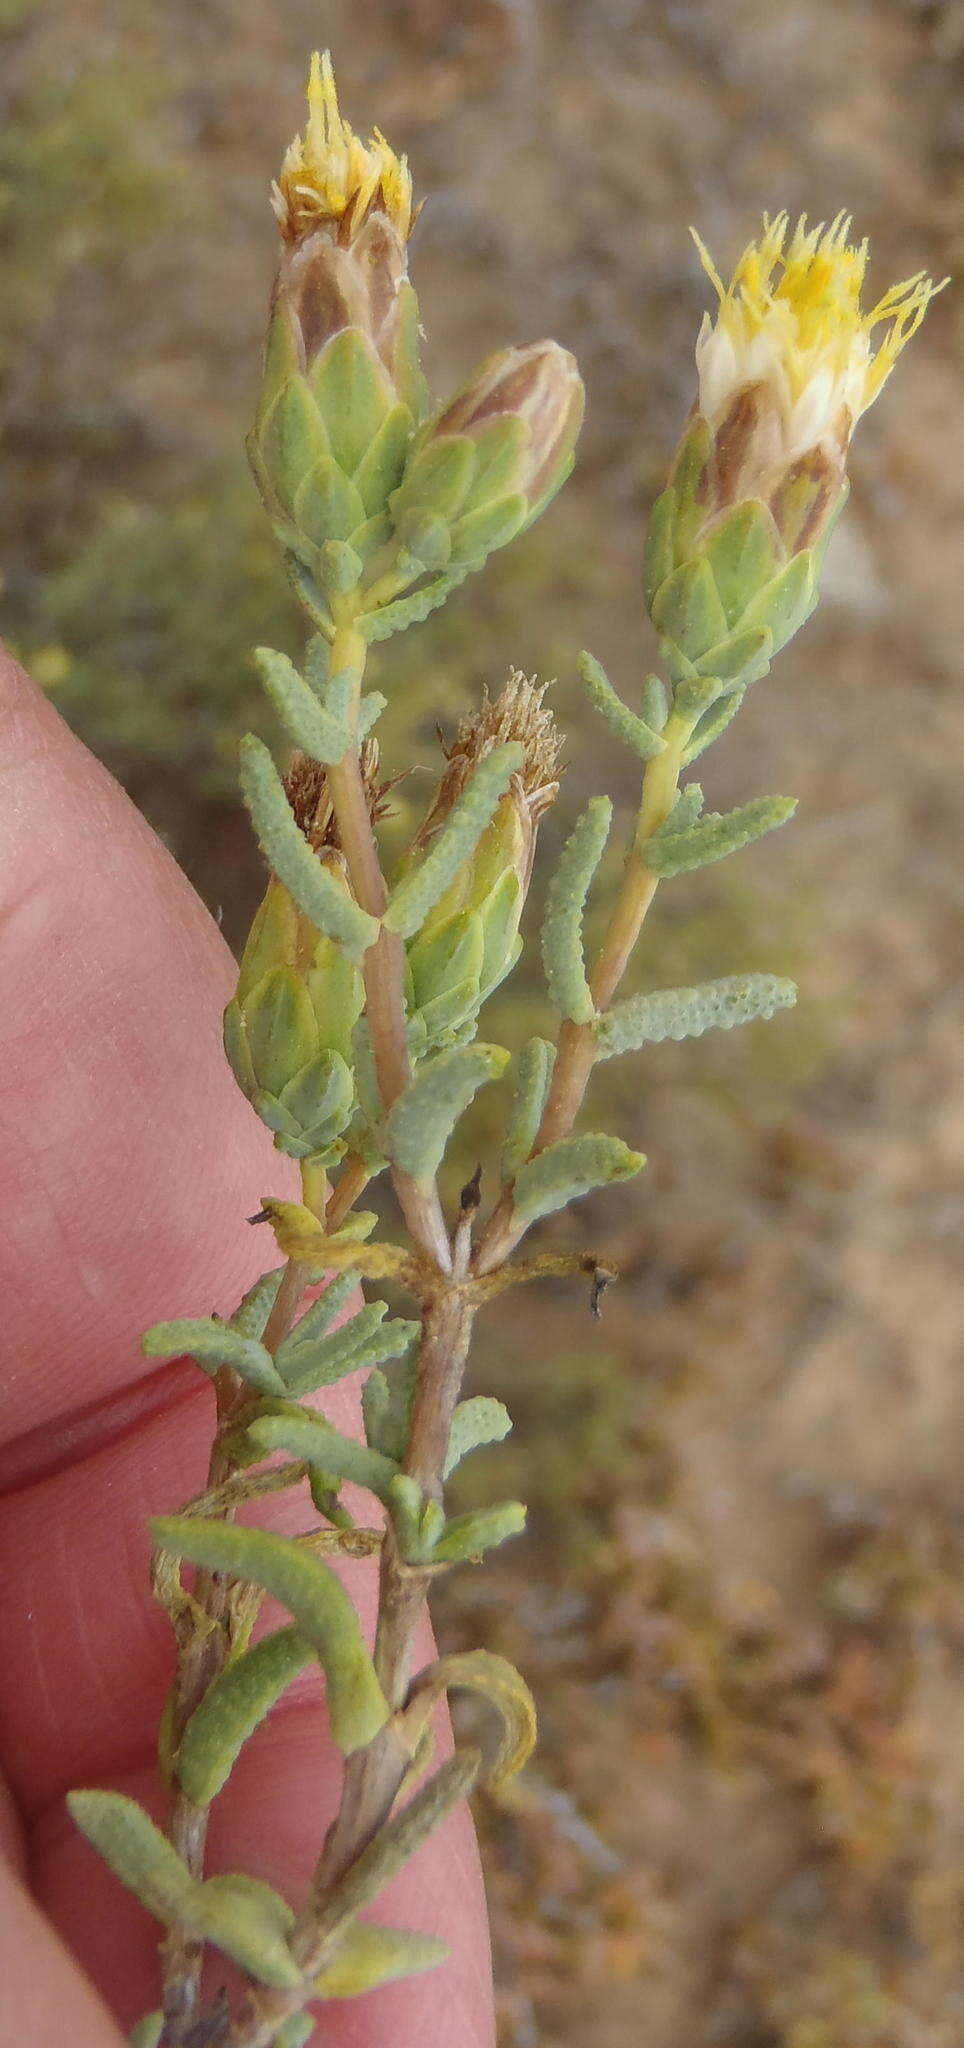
(328, 449)
(725, 596)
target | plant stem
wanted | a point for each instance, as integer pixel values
(576, 1052)
(384, 961)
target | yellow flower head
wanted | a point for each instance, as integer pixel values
(791, 318)
(330, 175)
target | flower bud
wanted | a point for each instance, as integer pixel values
(342, 387)
(288, 1030)
(492, 458)
(785, 371)
(470, 940)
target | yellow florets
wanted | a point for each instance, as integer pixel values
(329, 174)
(791, 316)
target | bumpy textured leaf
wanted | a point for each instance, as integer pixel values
(369, 1956)
(364, 1342)
(562, 950)
(233, 1707)
(655, 701)
(420, 1123)
(307, 1435)
(480, 1420)
(304, 719)
(314, 1598)
(572, 1168)
(713, 723)
(421, 889)
(469, 1536)
(250, 1922)
(398, 1840)
(535, 1066)
(287, 850)
(387, 1409)
(212, 1344)
(500, 1683)
(688, 1012)
(624, 723)
(685, 811)
(678, 849)
(318, 1319)
(137, 1852)
(411, 610)
(251, 1315)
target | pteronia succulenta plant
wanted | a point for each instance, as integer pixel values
(354, 1030)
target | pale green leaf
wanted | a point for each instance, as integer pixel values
(688, 1012)
(572, 1168)
(535, 1067)
(369, 1956)
(679, 847)
(213, 1344)
(307, 723)
(562, 944)
(480, 1420)
(633, 731)
(233, 1707)
(316, 892)
(455, 842)
(313, 1596)
(420, 1123)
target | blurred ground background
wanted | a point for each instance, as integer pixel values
(740, 1601)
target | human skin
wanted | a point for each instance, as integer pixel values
(130, 1162)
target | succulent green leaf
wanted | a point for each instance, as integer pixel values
(467, 1537)
(303, 1434)
(304, 719)
(713, 722)
(291, 441)
(365, 1341)
(280, 1028)
(685, 811)
(353, 397)
(213, 1344)
(387, 1409)
(478, 1421)
(398, 1840)
(453, 844)
(136, 1851)
(688, 1012)
(676, 850)
(313, 1596)
(562, 949)
(387, 619)
(369, 1956)
(655, 702)
(744, 552)
(369, 711)
(421, 1121)
(498, 1682)
(632, 730)
(318, 1319)
(315, 891)
(250, 1922)
(535, 1065)
(437, 478)
(251, 1315)
(148, 2031)
(233, 1707)
(575, 1166)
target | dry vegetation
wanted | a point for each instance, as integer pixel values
(744, 1620)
